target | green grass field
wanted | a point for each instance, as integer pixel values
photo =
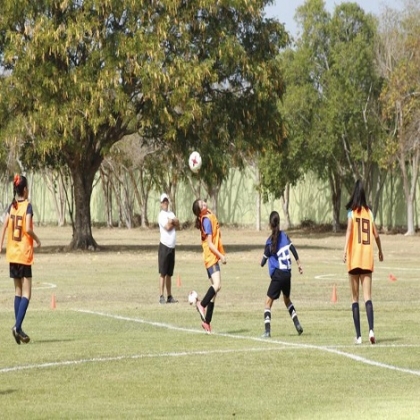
(110, 351)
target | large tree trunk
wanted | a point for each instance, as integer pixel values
(380, 182)
(56, 185)
(408, 158)
(410, 217)
(214, 197)
(107, 191)
(259, 198)
(83, 176)
(144, 188)
(285, 205)
(335, 185)
(409, 187)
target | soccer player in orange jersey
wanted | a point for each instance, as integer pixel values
(358, 253)
(213, 252)
(20, 251)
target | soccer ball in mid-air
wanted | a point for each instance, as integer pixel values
(194, 161)
(192, 297)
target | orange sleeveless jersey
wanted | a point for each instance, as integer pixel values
(360, 247)
(20, 246)
(209, 258)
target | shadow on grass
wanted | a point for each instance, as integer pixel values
(50, 341)
(243, 331)
(8, 391)
(154, 248)
(390, 340)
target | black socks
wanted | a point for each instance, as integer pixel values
(356, 318)
(211, 293)
(267, 320)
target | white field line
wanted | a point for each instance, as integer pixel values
(35, 286)
(132, 357)
(280, 345)
(41, 286)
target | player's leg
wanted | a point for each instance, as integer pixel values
(18, 295)
(169, 273)
(26, 284)
(273, 293)
(354, 287)
(18, 299)
(286, 282)
(366, 280)
(216, 281)
(162, 272)
(267, 310)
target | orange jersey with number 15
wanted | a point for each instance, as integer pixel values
(20, 246)
(360, 248)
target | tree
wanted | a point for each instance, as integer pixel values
(126, 168)
(85, 74)
(280, 168)
(332, 88)
(57, 183)
(399, 63)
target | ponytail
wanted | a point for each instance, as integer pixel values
(197, 211)
(275, 230)
(19, 185)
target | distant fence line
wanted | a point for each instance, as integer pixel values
(310, 200)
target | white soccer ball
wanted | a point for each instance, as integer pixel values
(195, 162)
(192, 297)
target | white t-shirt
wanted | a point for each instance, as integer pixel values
(167, 237)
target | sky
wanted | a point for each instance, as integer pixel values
(284, 10)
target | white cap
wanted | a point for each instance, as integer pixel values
(164, 197)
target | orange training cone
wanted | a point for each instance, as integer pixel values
(334, 294)
(53, 302)
(178, 281)
(392, 277)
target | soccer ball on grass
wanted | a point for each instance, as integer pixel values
(192, 297)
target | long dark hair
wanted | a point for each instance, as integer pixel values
(19, 184)
(358, 198)
(275, 230)
(197, 211)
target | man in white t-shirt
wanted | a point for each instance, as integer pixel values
(168, 223)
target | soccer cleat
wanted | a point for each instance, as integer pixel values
(171, 300)
(372, 337)
(15, 335)
(266, 335)
(201, 310)
(206, 326)
(22, 336)
(162, 300)
(358, 340)
(298, 327)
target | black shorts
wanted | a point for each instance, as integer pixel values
(166, 260)
(213, 269)
(19, 271)
(358, 271)
(280, 282)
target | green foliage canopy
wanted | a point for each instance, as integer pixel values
(84, 74)
(330, 106)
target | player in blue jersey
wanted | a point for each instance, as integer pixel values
(277, 252)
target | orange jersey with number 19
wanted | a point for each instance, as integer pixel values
(20, 246)
(360, 248)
